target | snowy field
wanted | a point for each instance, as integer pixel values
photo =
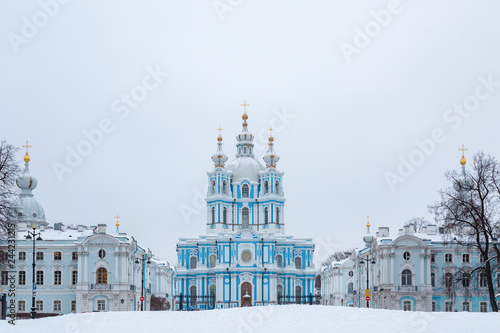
(275, 319)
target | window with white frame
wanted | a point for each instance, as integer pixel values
(39, 256)
(57, 278)
(279, 261)
(434, 306)
(482, 280)
(466, 280)
(277, 215)
(245, 191)
(101, 305)
(57, 306)
(213, 187)
(22, 278)
(224, 215)
(406, 255)
(406, 305)
(192, 262)
(448, 257)
(224, 187)
(74, 277)
(266, 215)
(213, 215)
(448, 306)
(465, 257)
(39, 305)
(74, 256)
(406, 278)
(298, 263)
(277, 187)
(212, 260)
(448, 279)
(21, 305)
(57, 255)
(266, 186)
(192, 295)
(245, 217)
(483, 307)
(73, 306)
(22, 255)
(433, 279)
(466, 306)
(39, 278)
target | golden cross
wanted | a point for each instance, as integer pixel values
(117, 217)
(220, 130)
(463, 150)
(27, 146)
(244, 105)
(270, 131)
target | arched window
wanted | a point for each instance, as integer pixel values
(280, 293)
(213, 215)
(266, 215)
(279, 261)
(102, 275)
(266, 187)
(245, 149)
(483, 307)
(298, 263)
(277, 187)
(466, 307)
(350, 288)
(212, 261)
(245, 191)
(482, 280)
(433, 279)
(213, 187)
(448, 279)
(192, 262)
(298, 294)
(192, 295)
(465, 280)
(406, 305)
(277, 215)
(406, 278)
(212, 296)
(224, 215)
(224, 187)
(245, 217)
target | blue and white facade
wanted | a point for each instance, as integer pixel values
(80, 269)
(245, 258)
(413, 271)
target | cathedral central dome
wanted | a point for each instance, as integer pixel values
(245, 167)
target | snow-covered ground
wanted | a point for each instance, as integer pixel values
(289, 319)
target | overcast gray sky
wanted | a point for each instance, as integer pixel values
(370, 100)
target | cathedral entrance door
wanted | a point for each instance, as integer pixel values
(246, 294)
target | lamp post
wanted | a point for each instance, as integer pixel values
(362, 262)
(144, 262)
(33, 286)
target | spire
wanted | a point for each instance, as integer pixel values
(219, 158)
(117, 217)
(465, 182)
(271, 158)
(368, 238)
(244, 145)
(463, 161)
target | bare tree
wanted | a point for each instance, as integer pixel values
(9, 171)
(469, 212)
(338, 256)
(418, 223)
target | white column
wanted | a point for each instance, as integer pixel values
(85, 264)
(392, 267)
(428, 267)
(422, 272)
(117, 270)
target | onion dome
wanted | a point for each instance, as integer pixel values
(29, 209)
(271, 158)
(368, 238)
(219, 158)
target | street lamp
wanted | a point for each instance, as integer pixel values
(368, 261)
(144, 262)
(33, 287)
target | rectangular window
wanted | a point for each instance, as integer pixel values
(74, 277)
(57, 256)
(433, 257)
(4, 278)
(39, 278)
(101, 305)
(466, 306)
(73, 306)
(57, 278)
(21, 306)
(448, 306)
(434, 306)
(39, 305)
(433, 279)
(465, 257)
(57, 306)
(39, 256)
(22, 278)
(74, 256)
(22, 255)
(448, 257)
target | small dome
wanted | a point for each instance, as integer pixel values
(463, 161)
(26, 182)
(245, 167)
(29, 209)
